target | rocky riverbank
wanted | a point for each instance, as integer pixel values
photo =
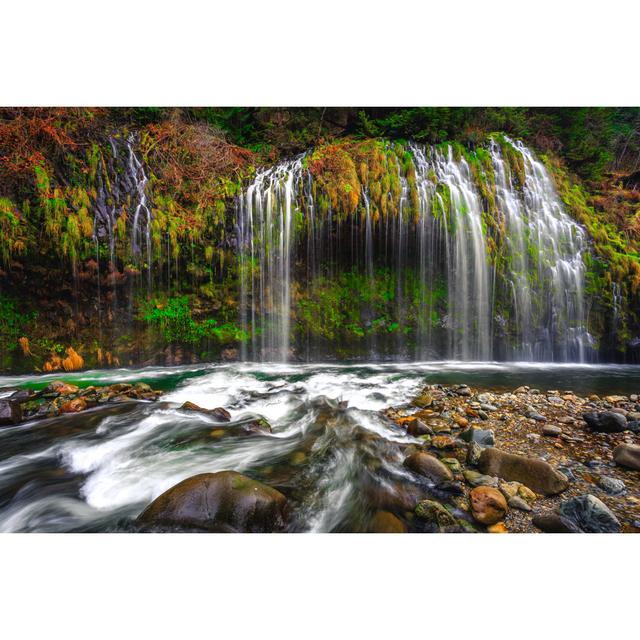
(60, 397)
(526, 460)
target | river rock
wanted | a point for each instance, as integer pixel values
(590, 514)
(474, 450)
(627, 455)
(535, 473)
(612, 486)
(476, 479)
(533, 414)
(426, 465)
(222, 501)
(219, 412)
(553, 523)
(418, 428)
(516, 502)
(551, 430)
(10, 412)
(605, 421)
(443, 442)
(488, 505)
(484, 437)
(433, 511)
(386, 522)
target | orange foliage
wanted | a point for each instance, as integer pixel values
(73, 361)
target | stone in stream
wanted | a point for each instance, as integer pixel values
(590, 514)
(627, 455)
(605, 421)
(533, 414)
(484, 437)
(10, 412)
(516, 502)
(476, 479)
(473, 453)
(432, 511)
(428, 466)
(535, 473)
(416, 428)
(612, 486)
(551, 430)
(222, 501)
(386, 522)
(488, 505)
(553, 523)
(219, 412)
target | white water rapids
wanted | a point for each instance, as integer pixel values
(97, 470)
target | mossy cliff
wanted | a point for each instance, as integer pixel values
(118, 234)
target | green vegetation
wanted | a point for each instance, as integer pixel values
(174, 318)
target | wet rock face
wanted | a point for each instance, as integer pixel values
(428, 466)
(627, 455)
(590, 514)
(223, 501)
(535, 473)
(605, 421)
(10, 412)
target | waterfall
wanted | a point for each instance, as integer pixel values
(266, 235)
(484, 261)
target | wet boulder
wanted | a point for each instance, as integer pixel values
(428, 466)
(488, 505)
(222, 501)
(535, 473)
(627, 455)
(386, 522)
(416, 428)
(590, 514)
(436, 513)
(10, 412)
(219, 413)
(605, 421)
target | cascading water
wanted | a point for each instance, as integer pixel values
(266, 228)
(498, 263)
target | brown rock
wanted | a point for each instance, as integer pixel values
(443, 442)
(223, 501)
(385, 522)
(428, 466)
(488, 505)
(74, 406)
(627, 455)
(535, 473)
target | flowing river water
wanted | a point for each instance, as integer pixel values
(332, 452)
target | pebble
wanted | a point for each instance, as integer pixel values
(551, 430)
(516, 502)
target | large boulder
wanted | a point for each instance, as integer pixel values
(535, 473)
(428, 466)
(605, 421)
(222, 501)
(488, 505)
(10, 412)
(590, 514)
(627, 455)
(385, 522)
